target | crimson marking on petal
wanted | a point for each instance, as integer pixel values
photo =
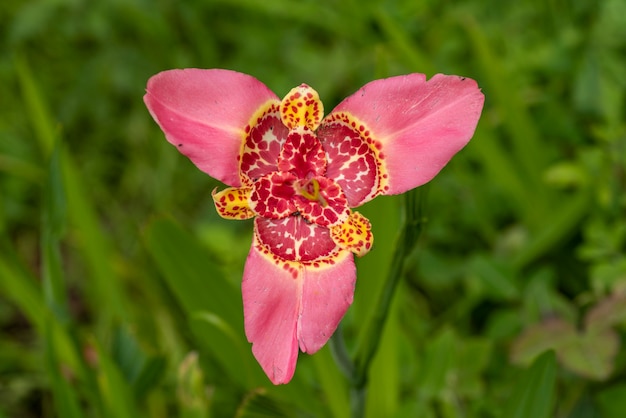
(354, 157)
(292, 242)
(264, 138)
(272, 196)
(302, 154)
(355, 234)
(232, 203)
(325, 204)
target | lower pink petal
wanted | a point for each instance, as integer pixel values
(271, 301)
(291, 304)
(327, 293)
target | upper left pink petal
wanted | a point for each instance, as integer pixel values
(204, 114)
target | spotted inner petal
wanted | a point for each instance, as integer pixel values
(264, 138)
(302, 154)
(321, 201)
(354, 159)
(273, 194)
(232, 203)
(302, 107)
(293, 242)
(355, 234)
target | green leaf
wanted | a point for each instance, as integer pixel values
(21, 287)
(226, 344)
(607, 313)
(495, 280)
(65, 396)
(95, 246)
(197, 282)
(141, 371)
(612, 401)
(38, 112)
(562, 221)
(191, 391)
(114, 389)
(53, 226)
(259, 405)
(472, 358)
(332, 382)
(439, 359)
(152, 372)
(526, 140)
(212, 305)
(533, 395)
(592, 354)
(552, 333)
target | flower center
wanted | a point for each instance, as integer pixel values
(311, 191)
(302, 211)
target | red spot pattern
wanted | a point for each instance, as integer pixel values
(294, 239)
(354, 158)
(302, 154)
(264, 139)
(355, 234)
(330, 206)
(302, 107)
(232, 203)
(273, 195)
(300, 182)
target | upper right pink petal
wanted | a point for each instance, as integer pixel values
(418, 124)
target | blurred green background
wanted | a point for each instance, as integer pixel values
(119, 285)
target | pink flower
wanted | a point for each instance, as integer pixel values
(300, 174)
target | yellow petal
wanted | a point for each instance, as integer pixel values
(355, 234)
(232, 203)
(302, 107)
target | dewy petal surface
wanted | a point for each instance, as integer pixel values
(204, 113)
(416, 125)
(291, 304)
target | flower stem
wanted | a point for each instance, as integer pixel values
(358, 369)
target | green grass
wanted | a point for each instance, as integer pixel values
(119, 284)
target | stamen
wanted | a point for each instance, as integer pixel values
(312, 196)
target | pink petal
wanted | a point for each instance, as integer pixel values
(418, 124)
(271, 302)
(327, 294)
(291, 304)
(205, 114)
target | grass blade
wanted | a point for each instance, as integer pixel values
(533, 395)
